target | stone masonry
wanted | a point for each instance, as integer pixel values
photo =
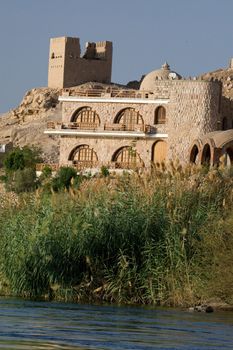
(67, 68)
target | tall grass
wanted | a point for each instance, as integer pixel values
(128, 239)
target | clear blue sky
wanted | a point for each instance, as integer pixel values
(194, 36)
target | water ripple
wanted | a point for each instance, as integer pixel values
(40, 325)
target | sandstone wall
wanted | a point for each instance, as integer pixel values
(108, 111)
(106, 147)
(195, 111)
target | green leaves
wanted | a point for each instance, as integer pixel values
(20, 158)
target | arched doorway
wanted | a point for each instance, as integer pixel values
(159, 151)
(127, 158)
(83, 156)
(194, 155)
(130, 118)
(206, 155)
(229, 156)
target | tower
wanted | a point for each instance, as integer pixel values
(67, 68)
(63, 56)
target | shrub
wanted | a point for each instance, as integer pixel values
(20, 158)
(22, 180)
(104, 171)
(63, 178)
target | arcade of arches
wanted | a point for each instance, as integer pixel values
(130, 118)
(213, 148)
(125, 157)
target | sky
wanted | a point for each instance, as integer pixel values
(193, 36)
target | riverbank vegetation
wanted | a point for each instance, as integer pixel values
(162, 238)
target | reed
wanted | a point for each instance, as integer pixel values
(127, 239)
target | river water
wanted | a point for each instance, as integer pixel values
(40, 325)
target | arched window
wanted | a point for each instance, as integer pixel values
(130, 118)
(160, 115)
(206, 155)
(224, 124)
(194, 154)
(85, 116)
(127, 158)
(83, 154)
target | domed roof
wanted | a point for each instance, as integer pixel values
(164, 73)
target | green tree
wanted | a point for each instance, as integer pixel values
(20, 169)
(20, 158)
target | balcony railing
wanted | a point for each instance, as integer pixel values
(109, 92)
(148, 129)
(124, 127)
(82, 165)
(41, 166)
(72, 125)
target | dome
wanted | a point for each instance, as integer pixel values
(164, 73)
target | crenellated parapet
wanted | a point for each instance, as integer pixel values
(67, 67)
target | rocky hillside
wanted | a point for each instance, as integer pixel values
(25, 124)
(225, 76)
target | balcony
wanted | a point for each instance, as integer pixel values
(92, 127)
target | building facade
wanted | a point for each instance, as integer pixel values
(167, 119)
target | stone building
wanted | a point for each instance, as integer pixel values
(67, 68)
(168, 118)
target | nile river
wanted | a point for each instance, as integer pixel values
(40, 325)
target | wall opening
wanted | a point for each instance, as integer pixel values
(130, 118)
(127, 158)
(85, 116)
(194, 155)
(224, 124)
(159, 151)
(160, 115)
(229, 156)
(83, 154)
(206, 155)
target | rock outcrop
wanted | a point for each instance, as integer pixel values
(25, 124)
(225, 76)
